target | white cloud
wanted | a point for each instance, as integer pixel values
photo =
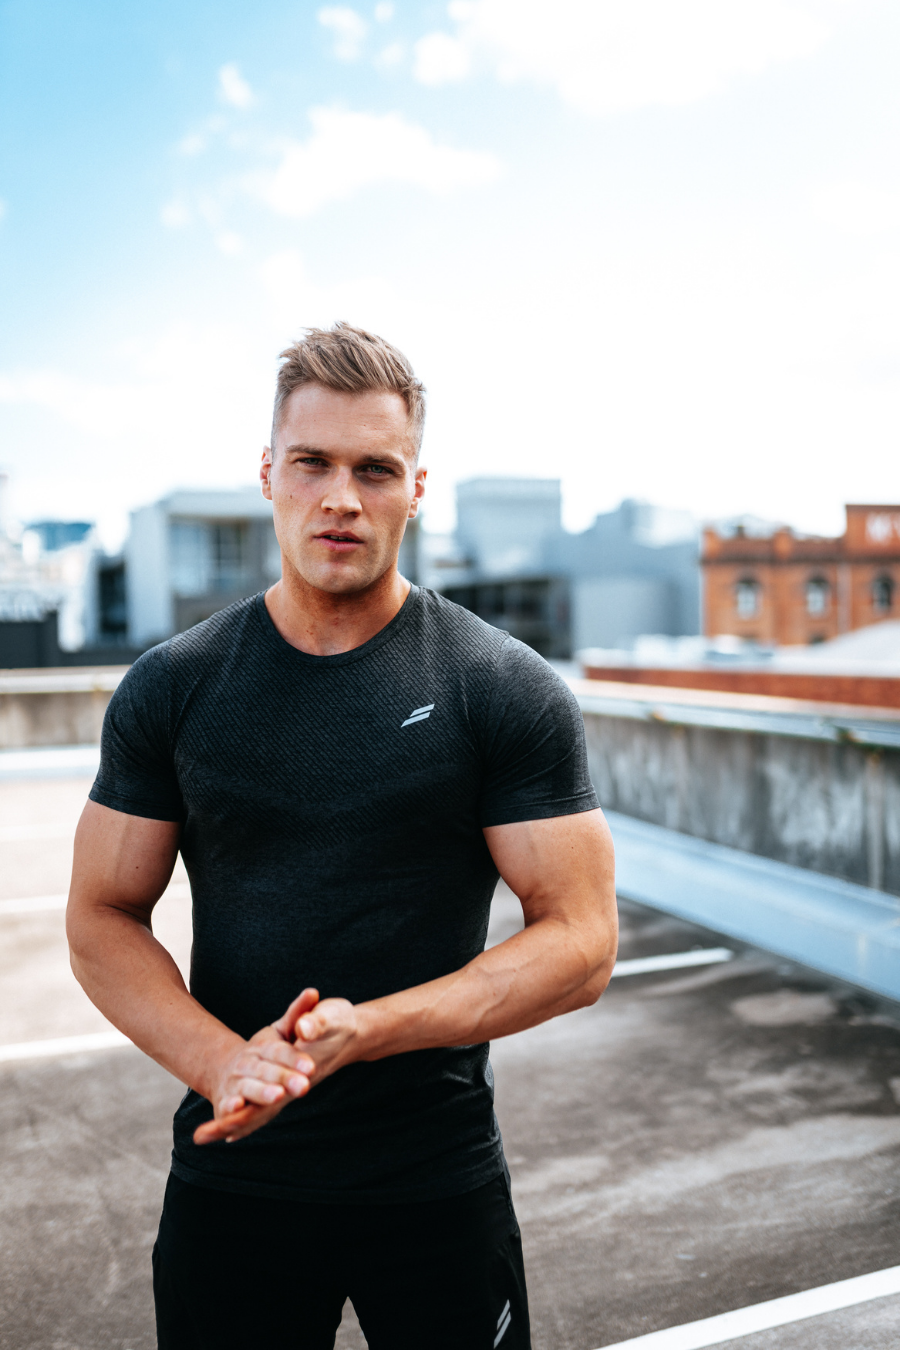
(348, 151)
(174, 215)
(229, 243)
(384, 11)
(390, 56)
(348, 27)
(100, 409)
(858, 208)
(440, 59)
(193, 144)
(611, 56)
(297, 301)
(187, 405)
(233, 88)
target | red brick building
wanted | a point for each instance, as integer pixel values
(788, 588)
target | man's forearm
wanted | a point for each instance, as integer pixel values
(134, 982)
(548, 969)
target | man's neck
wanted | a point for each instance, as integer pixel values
(325, 624)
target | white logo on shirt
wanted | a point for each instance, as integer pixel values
(418, 715)
(503, 1322)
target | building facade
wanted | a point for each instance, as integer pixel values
(634, 571)
(192, 554)
(788, 589)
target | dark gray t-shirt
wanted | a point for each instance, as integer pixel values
(332, 811)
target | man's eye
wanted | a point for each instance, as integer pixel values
(378, 468)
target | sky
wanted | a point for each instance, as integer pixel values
(650, 247)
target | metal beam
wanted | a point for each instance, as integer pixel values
(832, 925)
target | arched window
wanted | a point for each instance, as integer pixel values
(817, 596)
(747, 597)
(883, 595)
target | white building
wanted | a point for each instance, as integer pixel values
(192, 554)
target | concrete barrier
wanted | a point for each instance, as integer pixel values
(58, 706)
(809, 784)
(814, 786)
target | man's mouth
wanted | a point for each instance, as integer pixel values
(338, 541)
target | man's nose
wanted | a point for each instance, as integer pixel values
(341, 495)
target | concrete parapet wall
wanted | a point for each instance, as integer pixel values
(828, 805)
(54, 707)
(816, 789)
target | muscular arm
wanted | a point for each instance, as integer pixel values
(563, 873)
(122, 866)
(562, 870)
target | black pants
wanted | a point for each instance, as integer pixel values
(237, 1272)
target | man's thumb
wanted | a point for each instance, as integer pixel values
(307, 1028)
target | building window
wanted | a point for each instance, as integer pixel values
(883, 595)
(747, 597)
(229, 555)
(817, 594)
(190, 558)
(209, 557)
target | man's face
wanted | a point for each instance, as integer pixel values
(343, 482)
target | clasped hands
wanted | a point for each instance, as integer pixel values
(280, 1064)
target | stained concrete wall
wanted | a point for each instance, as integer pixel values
(834, 808)
(54, 707)
(831, 807)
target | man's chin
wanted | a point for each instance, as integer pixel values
(337, 580)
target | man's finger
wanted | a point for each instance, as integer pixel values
(223, 1128)
(270, 1071)
(257, 1092)
(301, 1004)
(285, 1054)
(311, 1028)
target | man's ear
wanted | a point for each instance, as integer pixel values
(418, 494)
(265, 469)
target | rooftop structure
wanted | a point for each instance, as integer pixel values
(634, 571)
(193, 553)
(787, 589)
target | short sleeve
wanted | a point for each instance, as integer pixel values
(536, 757)
(137, 771)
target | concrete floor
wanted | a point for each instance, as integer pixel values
(699, 1141)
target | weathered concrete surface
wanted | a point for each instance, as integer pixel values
(709, 1146)
(834, 808)
(40, 997)
(696, 1142)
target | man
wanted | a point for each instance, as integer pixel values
(346, 764)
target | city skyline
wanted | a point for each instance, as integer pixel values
(661, 255)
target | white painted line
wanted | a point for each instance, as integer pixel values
(15, 834)
(708, 956)
(50, 761)
(64, 1045)
(30, 904)
(777, 1312)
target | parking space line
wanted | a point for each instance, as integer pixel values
(776, 1312)
(708, 956)
(63, 1045)
(17, 834)
(30, 904)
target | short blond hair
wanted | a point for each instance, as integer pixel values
(353, 361)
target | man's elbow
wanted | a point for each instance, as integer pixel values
(598, 977)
